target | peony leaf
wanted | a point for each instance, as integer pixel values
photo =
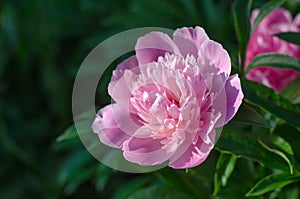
(77, 168)
(275, 60)
(69, 133)
(104, 173)
(131, 187)
(292, 91)
(83, 124)
(272, 182)
(272, 102)
(265, 10)
(283, 145)
(292, 37)
(246, 145)
(241, 14)
(174, 179)
(224, 168)
(292, 136)
(159, 192)
(247, 115)
(286, 151)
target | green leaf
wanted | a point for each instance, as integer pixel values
(241, 14)
(286, 153)
(83, 124)
(292, 136)
(244, 144)
(292, 37)
(282, 144)
(292, 91)
(78, 179)
(275, 60)
(265, 10)
(272, 182)
(247, 115)
(130, 187)
(159, 192)
(103, 175)
(174, 179)
(272, 102)
(73, 166)
(224, 168)
(70, 133)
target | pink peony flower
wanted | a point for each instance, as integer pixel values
(263, 41)
(170, 98)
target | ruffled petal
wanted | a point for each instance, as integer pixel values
(297, 21)
(233, 99)
(129, 64)
(149, 47)
(121, 90)
(194, 155)
(213, 53)
(106, 127)
(189, 40)
(145, 151)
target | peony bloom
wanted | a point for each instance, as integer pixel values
(169, 99)
(263, 41)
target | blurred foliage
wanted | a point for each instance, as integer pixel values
(42, 46)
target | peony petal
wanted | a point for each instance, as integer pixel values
(194, 155)
(254, 14)
(189, 40)
(234, 97)
(121, 90)
(145, 151)
(107, 128)
(275, 78)
(213, 52)
(129, 64)
(278, 16)
(149, 47)
(297, 21)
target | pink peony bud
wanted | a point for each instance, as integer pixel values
(170, 98)
(264, 41)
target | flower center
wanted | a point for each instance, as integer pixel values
(158, 107)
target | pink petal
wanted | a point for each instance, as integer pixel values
(107, 129)
(297, 21)
(275, 78)
(120, 90)
(279, 15)
(213, 52)
(254, 14)
(149, 47)
(129, 64)
(145, 151)
(234, 97)
(194, 155)
(189, 40)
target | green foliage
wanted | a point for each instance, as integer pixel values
(292, 92)
(241, 13)
(224, 168)
(248, 115)
(275, 60)
(272, 102)
(159, 193)
(292, 37)
(274, 181)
